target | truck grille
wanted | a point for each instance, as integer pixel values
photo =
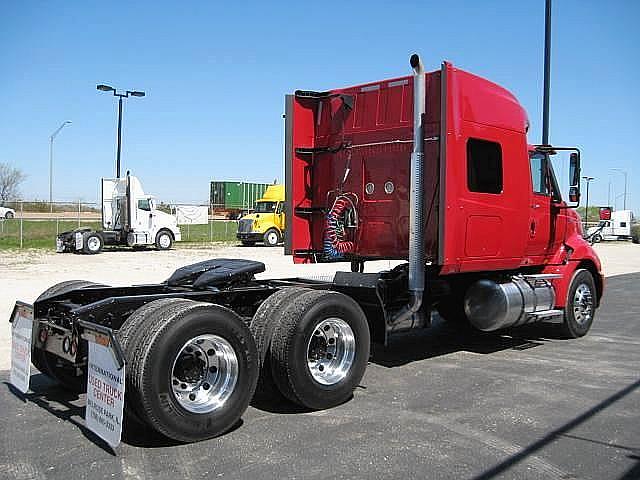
(244, 225)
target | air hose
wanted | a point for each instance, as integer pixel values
(335, 245)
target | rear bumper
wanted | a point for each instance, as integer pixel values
(67, 344)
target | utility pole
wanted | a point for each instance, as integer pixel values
(51, 139)
(586, 209)
(624, 198)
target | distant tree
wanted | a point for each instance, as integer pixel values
(594, 213)
(10, 180)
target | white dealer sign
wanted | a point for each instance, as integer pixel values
(21, 328)
(105, 392)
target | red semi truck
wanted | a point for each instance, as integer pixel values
(433, 168)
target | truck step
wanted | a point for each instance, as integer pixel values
(542, 276)
(546, 314)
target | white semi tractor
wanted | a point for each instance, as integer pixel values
(613, 226)
(129, 218)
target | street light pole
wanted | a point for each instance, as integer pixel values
(119, 137)
(126, 94)
(547, 73)
(586, 208)
(624, 198)
(51, 138)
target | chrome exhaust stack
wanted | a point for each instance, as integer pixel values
(412, 316)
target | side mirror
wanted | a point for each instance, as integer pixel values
(574, 178)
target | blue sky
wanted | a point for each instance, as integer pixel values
(216, 73)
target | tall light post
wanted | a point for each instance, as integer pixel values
(51, 138)
(586, 208)
(133, 93)
(546, 89)
(624, 198)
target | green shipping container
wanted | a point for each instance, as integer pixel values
(236, 195)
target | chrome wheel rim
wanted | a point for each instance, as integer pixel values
(583, 304)
(331, 350)
(204, 373)
(164, 240)
(93, 244)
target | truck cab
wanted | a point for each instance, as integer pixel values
(129, 218)
(613, 226)
(267, 222)
(481, 205)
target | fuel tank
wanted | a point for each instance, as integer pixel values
(491, 305)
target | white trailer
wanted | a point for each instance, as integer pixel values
(129, 218)
(618, 227)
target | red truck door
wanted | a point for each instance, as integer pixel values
(545, 231)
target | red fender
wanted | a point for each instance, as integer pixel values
(573, 254)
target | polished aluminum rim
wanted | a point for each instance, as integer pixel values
(583, 304)
(331, 351)
(204, 373)
(93, 244)
(164, 240)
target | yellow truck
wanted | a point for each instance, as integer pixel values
(266, 224)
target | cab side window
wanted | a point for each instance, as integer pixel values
(484, 166)
(143, 204)
(279, 207)
(539, 174)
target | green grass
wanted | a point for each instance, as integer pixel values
(42, 233)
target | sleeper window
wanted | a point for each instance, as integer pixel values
(484, 166)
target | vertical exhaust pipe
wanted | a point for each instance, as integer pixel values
(411, 316)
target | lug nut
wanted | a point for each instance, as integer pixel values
(329, 356)
(192, 396)
(321, 368)
(199, 341)
(317, 333)
(211, 352)
(213, 369)
(332, 341)
(175, 382)
(183, 386)
(189, 349)
(326, 328)
(206, 386)
(198, 353)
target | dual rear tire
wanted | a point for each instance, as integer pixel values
(192, 368)
(313, 347)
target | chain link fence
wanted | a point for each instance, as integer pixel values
(25, 224)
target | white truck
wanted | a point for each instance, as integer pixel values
(616, 227)
(129, 218)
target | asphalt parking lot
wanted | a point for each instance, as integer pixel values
(441, 404)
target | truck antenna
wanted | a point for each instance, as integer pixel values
(547, 73)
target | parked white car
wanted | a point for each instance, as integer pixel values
(6, 212)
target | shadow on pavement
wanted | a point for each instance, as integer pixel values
(59, 402)
(70, 407)
(444, 338)
(632, 473)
